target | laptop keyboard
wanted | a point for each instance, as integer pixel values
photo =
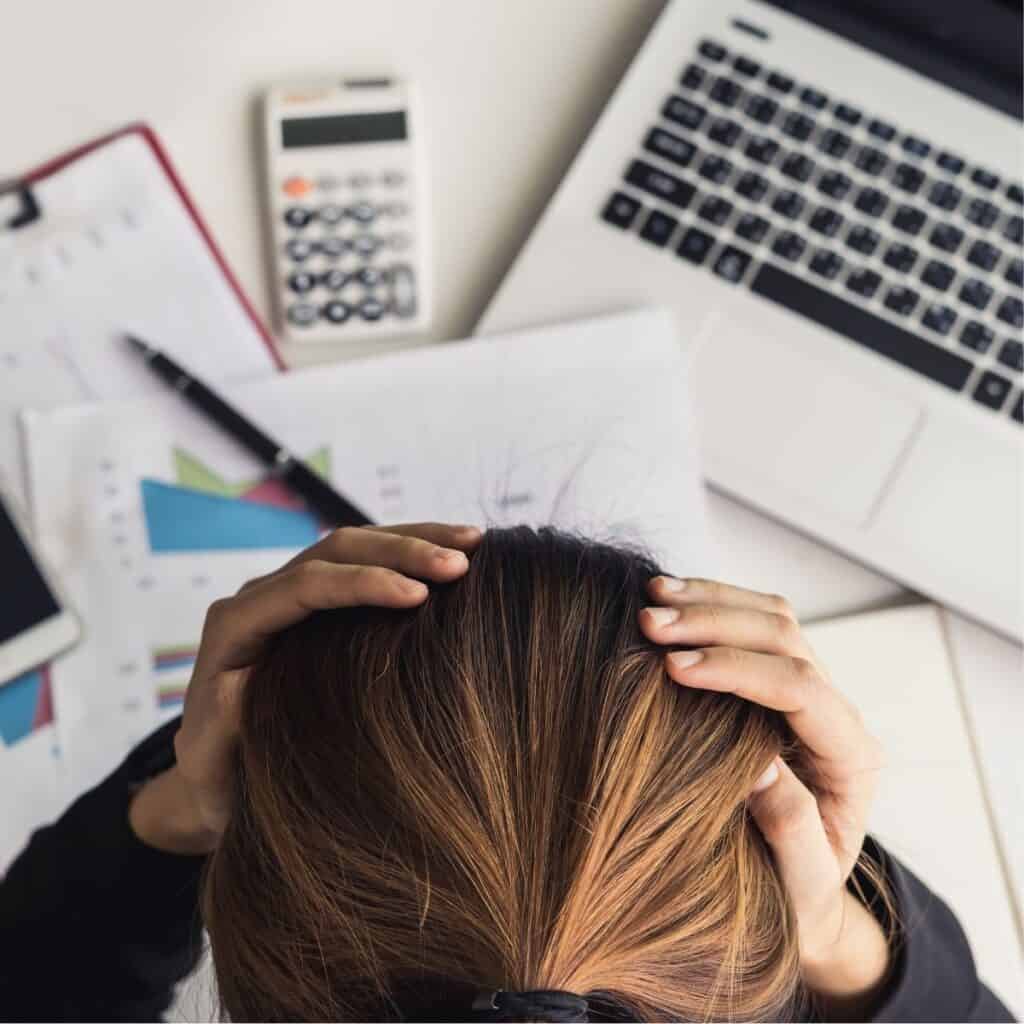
(819, 206)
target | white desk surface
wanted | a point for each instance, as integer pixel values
(509, 91)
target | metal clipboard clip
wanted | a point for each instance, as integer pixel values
(18, 205)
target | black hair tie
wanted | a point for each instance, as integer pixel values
(542, 1004)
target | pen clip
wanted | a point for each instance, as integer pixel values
(18, 204)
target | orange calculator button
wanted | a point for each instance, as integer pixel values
(297, 187)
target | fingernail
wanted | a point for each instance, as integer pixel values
(413, 586)
(671, 584)
(663, 616)
(448, 555)
(767, 777)
(471, 531)
(684, 659)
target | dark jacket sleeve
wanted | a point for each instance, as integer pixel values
(94, 924)
(933, 976)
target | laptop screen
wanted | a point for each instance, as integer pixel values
(973, 46)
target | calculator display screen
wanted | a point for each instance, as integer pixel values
(342, 129)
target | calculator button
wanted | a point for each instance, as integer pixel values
(403, 291)
(328, 182)
(297, 216)
(394, 209)
(331, 214)
(359, 181)
(299, 249)
(365, 245)
(333, 247)
(337, 312)
(371, 276)
(334, 279)
(371, 309)
(398, 241)
(392, 178)
(302, 314)
(301, 282)
(362, 213)
(297, 187)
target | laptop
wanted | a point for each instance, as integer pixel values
(828, 196)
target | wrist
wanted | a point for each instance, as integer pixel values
(847, 975)
(163, 815)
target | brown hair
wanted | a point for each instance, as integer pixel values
(498, 789)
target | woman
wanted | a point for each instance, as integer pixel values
(549, 783)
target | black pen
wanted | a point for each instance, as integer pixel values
(321, 497)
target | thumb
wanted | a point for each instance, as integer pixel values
(786, 812)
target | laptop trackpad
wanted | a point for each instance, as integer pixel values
(782, 419)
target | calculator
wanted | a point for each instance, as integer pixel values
(348, 211)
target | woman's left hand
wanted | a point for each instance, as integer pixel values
(750, 644)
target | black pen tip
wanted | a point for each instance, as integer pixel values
(137, 343)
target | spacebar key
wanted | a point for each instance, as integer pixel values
(862, 327)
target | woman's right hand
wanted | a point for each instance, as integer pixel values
(186, 809)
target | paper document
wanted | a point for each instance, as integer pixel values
(148, 512)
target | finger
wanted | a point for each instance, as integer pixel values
(669, 590)
(460, 535)
(702, 624)
(787, 814)
(406, 552)
(236, 627)
(822, 719)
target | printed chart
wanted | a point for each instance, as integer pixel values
(26, 704)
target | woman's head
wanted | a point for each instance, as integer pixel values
(498, 789)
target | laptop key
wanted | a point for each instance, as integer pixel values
(901, 300)
(715, 168)
(1013, 229)
(1014, 272)
(984, 179)
(907, 177)
(788, 203)
(983, 255)
(689, 115)
(946, 237)
(949, 163)
(761, 148)
(826, 263)
(751, 185)
(992, 390)
(779, 82)
(834, 184)
(834, 142)
(1015, 194)
(939, 318)
(826, 221)
(798, 126)
(863, 282)
(900, 257)
(724, 132)
(620, 210)
(761, 108)
(670, 147)
(711, 50)
(732, 263)
(944, 195)
(862, 327)
(870, 160)
(915, 146)
(981, 212)
(1011, 311)
(882, 130)
(694, 245)
(788, 245)
(813, 98)
(975, 293)
(725, 91)
(746, 66)
(1012, 354)
(658, 227)
(908, 219)
(715, 209)
(863, 239)
(797, 166)
(1017, 412)
(871, 201)
(673, 190)
(751, 227)
(693, 76)
(976, 337)
(938, 275)
(847, 114)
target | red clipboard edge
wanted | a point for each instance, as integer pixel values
(147, 133)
